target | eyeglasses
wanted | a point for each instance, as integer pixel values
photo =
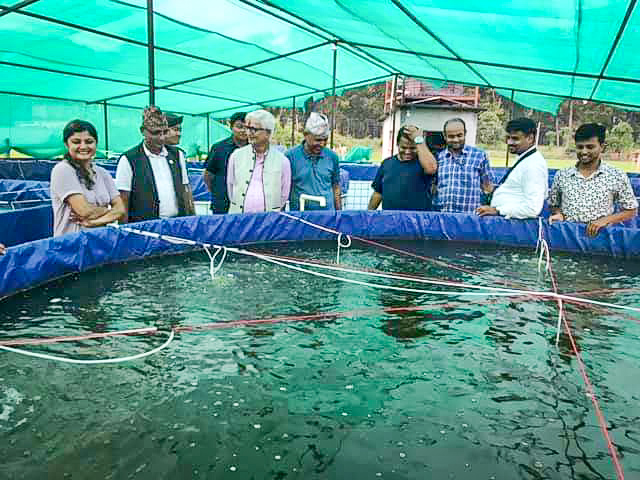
(254, 129)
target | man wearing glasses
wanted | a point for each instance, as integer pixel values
(258, 176)
(152, 177)
(215, 173)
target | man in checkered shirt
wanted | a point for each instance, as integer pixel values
(463, 171)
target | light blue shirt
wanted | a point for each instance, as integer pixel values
(313, 175)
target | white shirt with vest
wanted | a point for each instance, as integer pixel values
(523, 193)
(258, 184)
(161, 175)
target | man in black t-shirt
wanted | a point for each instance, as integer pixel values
(215, 173)
(403, 181)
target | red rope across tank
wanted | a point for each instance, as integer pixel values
(587, 383)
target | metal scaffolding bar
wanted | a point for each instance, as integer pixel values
(314, 29)
(293, 122)
(513, 111)
(208, 132)
(333, 92)
(310, 92)
(426, 29)
(16, 7)
(497, 65)
(630, 8)
(106, 128)
(151, 54)
(232, 69)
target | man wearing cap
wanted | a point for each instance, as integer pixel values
(175, 129)
(215, 173)
(152, 177)
(315, 169)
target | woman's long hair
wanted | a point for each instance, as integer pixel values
(79, 126)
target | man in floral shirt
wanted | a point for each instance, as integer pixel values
(587, 192)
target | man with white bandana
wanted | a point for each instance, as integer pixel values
(315, 169)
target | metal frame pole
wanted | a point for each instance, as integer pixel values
(293, 122)
(394, 86)
(513, 111)
(333, 91)
(151, 53)
(208, 133)
(106, 129)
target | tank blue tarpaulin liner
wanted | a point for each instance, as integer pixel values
(359, 172)
(199, 188)
(34, 263)
(344, 181)
(368, 173)
(26, 169)
(25, 225)
(201, 192)
(109, 167)
(40, 170)
(12, 190)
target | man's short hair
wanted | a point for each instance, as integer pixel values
(263, 118)
(174, 120)
(590, 130)
(523, 124)
(452, 120)
(237, 117)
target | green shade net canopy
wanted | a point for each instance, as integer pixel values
(65, 59)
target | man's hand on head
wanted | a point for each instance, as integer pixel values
(411, 132)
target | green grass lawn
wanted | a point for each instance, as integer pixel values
(556, 158)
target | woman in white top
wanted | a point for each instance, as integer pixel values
(83, 195)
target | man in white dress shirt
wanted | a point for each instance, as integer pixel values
(152, 177)
(523, 189)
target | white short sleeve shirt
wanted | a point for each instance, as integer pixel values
(161, 175)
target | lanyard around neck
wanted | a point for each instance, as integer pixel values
(526, 155)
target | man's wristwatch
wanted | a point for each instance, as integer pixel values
(418, 140)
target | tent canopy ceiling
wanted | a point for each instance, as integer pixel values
(219, 56)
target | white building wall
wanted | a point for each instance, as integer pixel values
(427, 119)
